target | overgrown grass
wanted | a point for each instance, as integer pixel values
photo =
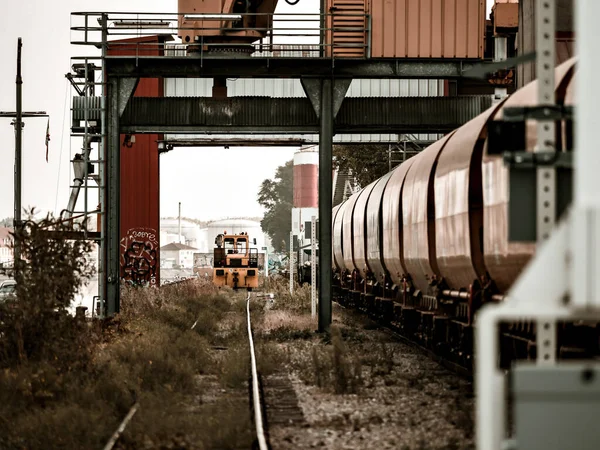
(299, 301)
(335, 367)
(75, 395)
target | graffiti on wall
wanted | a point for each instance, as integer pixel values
(139, 256)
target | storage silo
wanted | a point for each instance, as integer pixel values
(306, 192)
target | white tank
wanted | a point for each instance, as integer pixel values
(237, 226)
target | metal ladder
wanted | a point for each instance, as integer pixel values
(88, 126)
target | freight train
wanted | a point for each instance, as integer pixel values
(427, 244)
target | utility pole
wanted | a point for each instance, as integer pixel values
(18, 115)
(18, 152)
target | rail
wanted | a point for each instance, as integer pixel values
(345, 34)
(260, 432)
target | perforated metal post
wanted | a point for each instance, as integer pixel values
(291, 262)
(546, 176)
(313, 266)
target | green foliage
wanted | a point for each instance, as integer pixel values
(276, 196)
(36, 325)
(366, 162)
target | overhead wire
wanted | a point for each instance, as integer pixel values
(62, 134)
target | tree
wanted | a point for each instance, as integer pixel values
(366, 162)
(276, 196)
(8, 222)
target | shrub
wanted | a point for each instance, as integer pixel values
(36, 325)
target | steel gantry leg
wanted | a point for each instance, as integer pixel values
(120, 90)
(110, 224)
(326, 96)
(325, 202)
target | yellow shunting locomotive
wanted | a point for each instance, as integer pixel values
(235, 263)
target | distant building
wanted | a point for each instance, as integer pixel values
(190, 232)
(168, 238)
(236, 226)
(6, 253)
(177, 255)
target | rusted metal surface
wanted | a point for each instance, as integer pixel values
(348, 239)
(427, 28)
(505, 260)
(360, 229)
(506, 15)
(347, 33)
(459, 204)
(418, 215)
(375, 228)
(247, 29)
(338, 234)
(393, 225)
(140, 199)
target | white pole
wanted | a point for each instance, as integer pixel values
(266, 263)
(291, 262)
(179, 238)
(313, 266)
(585, 238)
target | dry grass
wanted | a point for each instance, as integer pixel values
(298, 302)
(148, 354)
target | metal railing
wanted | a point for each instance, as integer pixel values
(283, 35)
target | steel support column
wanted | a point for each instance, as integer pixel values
(325, 203)
(110, 222)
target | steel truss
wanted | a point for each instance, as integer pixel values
(325, 81)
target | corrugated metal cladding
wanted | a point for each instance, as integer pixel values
(296, 115)
(373, 113)
(426, 28)
(140, 219)
(296, 140)
(292, 88)
(286, 88)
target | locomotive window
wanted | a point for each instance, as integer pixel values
(229, 243)
(241, 244)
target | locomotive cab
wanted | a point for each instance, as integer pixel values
(235, 262)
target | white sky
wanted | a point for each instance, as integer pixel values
(194, 177)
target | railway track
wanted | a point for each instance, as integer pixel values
(273, 399)
(395, 330)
